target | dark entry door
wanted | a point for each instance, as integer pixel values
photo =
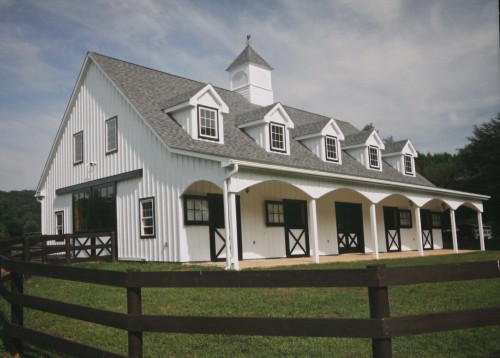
(217, 230)
(349, 228)
(296, 229)
(392, 232)
(426, 220)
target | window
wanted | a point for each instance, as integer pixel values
(405, 219)
(112, 135)
(274, 213)
(277, 132)
(59, 222)
(436, 220)
(373, 157)
(147, 208)
(196, 210)
(94, 209)
(78, 148)
(208, 123)
(408, 164)
(331, 149)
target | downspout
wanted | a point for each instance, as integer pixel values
(226, 215)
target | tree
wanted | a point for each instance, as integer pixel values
(478, 167)
(439, 168)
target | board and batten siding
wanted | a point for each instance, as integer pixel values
(165, 175)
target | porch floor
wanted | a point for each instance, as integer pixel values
(277, 262)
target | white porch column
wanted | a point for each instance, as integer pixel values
(418, 227)
(313, 219)
(481, 230)
(373, 225)
(453, 231)
(226, 226)
(233, 230)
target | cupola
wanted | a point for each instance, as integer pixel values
(250, 75)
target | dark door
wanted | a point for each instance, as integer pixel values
(349, 228)
(426, 220)
(296, 230)
(217, 231)
(392, 232)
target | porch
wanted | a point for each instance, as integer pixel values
(351, 257)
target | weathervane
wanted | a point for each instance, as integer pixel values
(248, 39)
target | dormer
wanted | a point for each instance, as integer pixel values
(322, 138)
(200, 112)
(269, 126)
(366, 148)
(401, 156)
(250, 75)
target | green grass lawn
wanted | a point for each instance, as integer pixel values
(277, 302)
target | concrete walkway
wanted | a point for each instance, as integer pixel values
(263, 263)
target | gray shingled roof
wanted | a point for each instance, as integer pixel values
(357, 138)
(310, 128)
(395, 147)
(248, 55)
(149, 90)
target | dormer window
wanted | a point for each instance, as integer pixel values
(331, 149)
(408, 164)
(373, 157)
(208, 123)
(277, 133)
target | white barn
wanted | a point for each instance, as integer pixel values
(185, 172)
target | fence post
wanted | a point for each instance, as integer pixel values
(26, 249)
(379, 308)
(67, 243)
(114, 254)
(16, 313)
(44, 251)
(134, 307)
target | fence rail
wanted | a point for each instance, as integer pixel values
(380, 327)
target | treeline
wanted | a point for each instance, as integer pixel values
(19, 213)
(474, 168)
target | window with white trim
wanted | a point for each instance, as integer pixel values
(112, 135)
(373, 157)
(147, 212)
(404, 218)
(331, 149)
(196, 211)
(78, 148)
(208, 123)
(277, 136)
(59, 222)
(274, 213)
(436, 220)
(408, 164)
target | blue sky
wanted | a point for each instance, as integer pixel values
(423, 70)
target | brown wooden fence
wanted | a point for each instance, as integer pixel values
(64, 248)
(380, 327)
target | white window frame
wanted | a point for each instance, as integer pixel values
(373, 157)
(273, 133)
(408, 163)
(328, 157)
(206, 123)
(144, 217)
(59, 222)
(78, 148)
(112, 132)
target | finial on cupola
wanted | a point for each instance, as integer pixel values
(248, 39)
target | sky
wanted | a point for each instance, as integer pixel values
(426, 70)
